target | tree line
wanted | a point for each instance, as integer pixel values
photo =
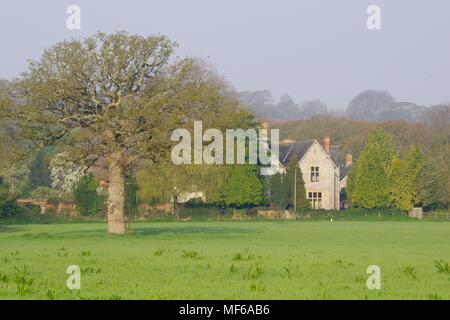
(369, 105)
(116, 98)
(380, 178)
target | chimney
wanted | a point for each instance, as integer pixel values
(326, 144)
(348, 160)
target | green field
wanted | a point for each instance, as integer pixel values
(227, 260)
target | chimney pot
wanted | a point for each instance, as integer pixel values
(326, 144)
(348, 160)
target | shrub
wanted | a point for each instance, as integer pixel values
(242, 187)
(8, 205)
(9, 208)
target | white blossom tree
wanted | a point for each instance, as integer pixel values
(65, 173)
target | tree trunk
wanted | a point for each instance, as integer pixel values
(116, 195)
(175, 206)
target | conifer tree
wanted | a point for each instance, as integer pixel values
(404, 176)
(85, 195)
(279, 191)
(242, 186)
(40, 170)
(369, 182)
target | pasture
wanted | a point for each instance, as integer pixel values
(227, 260)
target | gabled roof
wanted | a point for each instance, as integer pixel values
(286, 150)
(298, 148)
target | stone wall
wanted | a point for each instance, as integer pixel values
(61, 209)
(276, 214)
(416, 213)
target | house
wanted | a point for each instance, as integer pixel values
(323, 173)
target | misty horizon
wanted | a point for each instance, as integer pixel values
(309, 50)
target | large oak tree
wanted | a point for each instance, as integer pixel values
(116, 98)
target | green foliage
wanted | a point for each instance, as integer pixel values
(434, 180)
(16, 176)
(131, 203)
(242, 186)
(24, 280)
(299, 190)
(8, 204)
(164, 182)
(404, 175)
(380, 178)
(369, 182)
(429, 185)
(77, 85)
(4, 191)
(343, 195)
(9, 208)
(432, 136)
(279, 191)
(438, 156)
(85, 195)
(283, 190)
(40, 170)
(442, 266)
(44, 193)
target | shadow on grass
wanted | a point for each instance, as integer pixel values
(149, 231)
(139, 231)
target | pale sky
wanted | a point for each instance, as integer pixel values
(306, 48)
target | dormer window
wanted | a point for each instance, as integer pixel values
(314, 174)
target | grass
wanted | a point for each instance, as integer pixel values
(227, 260)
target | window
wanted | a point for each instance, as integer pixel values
(316, 200)
(314, 174)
